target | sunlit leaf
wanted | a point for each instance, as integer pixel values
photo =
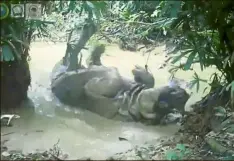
(155, 13)
(164, 31)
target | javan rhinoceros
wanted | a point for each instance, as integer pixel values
(98, 89)
(104, 91)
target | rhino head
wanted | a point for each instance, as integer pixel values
(155, 103)
(173, 98)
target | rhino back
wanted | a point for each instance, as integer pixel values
(69, 87)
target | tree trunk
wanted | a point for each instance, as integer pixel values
(74, 48)
(15, 79)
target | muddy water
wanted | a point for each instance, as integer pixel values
(81, 133)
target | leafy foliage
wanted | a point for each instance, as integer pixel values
(17, 34)
(231, 85)
(94, 9)
(178, 153)
(139, 21)
(202, 31)
(206, 26)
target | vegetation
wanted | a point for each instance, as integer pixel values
(16, 37)
(201, 32)
(53, 153)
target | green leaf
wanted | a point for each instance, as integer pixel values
(72, 6)
(175, 8)
(196, 81)
(180, 147)
(177, 58)
(164, 31)
(192, 83)
(198, 86)
(231, 85)
(205, 89)
(230, 129)
(232, 89)
(155, 13)
(90, 4)
(7, 53)
(220, 111)
(232, 59)
(225, 62)
(228, 158)
(195, 75)
(171, 155)
(190, 61)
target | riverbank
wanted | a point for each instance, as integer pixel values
(177, 147)
(80, 132)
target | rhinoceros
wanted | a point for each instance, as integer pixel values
(104, 91)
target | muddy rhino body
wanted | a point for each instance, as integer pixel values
(98, 89)
(69, 87)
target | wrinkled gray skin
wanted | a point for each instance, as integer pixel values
(94, 87)
(102, 90)
(70, 88)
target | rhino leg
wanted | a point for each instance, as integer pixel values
(95, 55)
(100, 93)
